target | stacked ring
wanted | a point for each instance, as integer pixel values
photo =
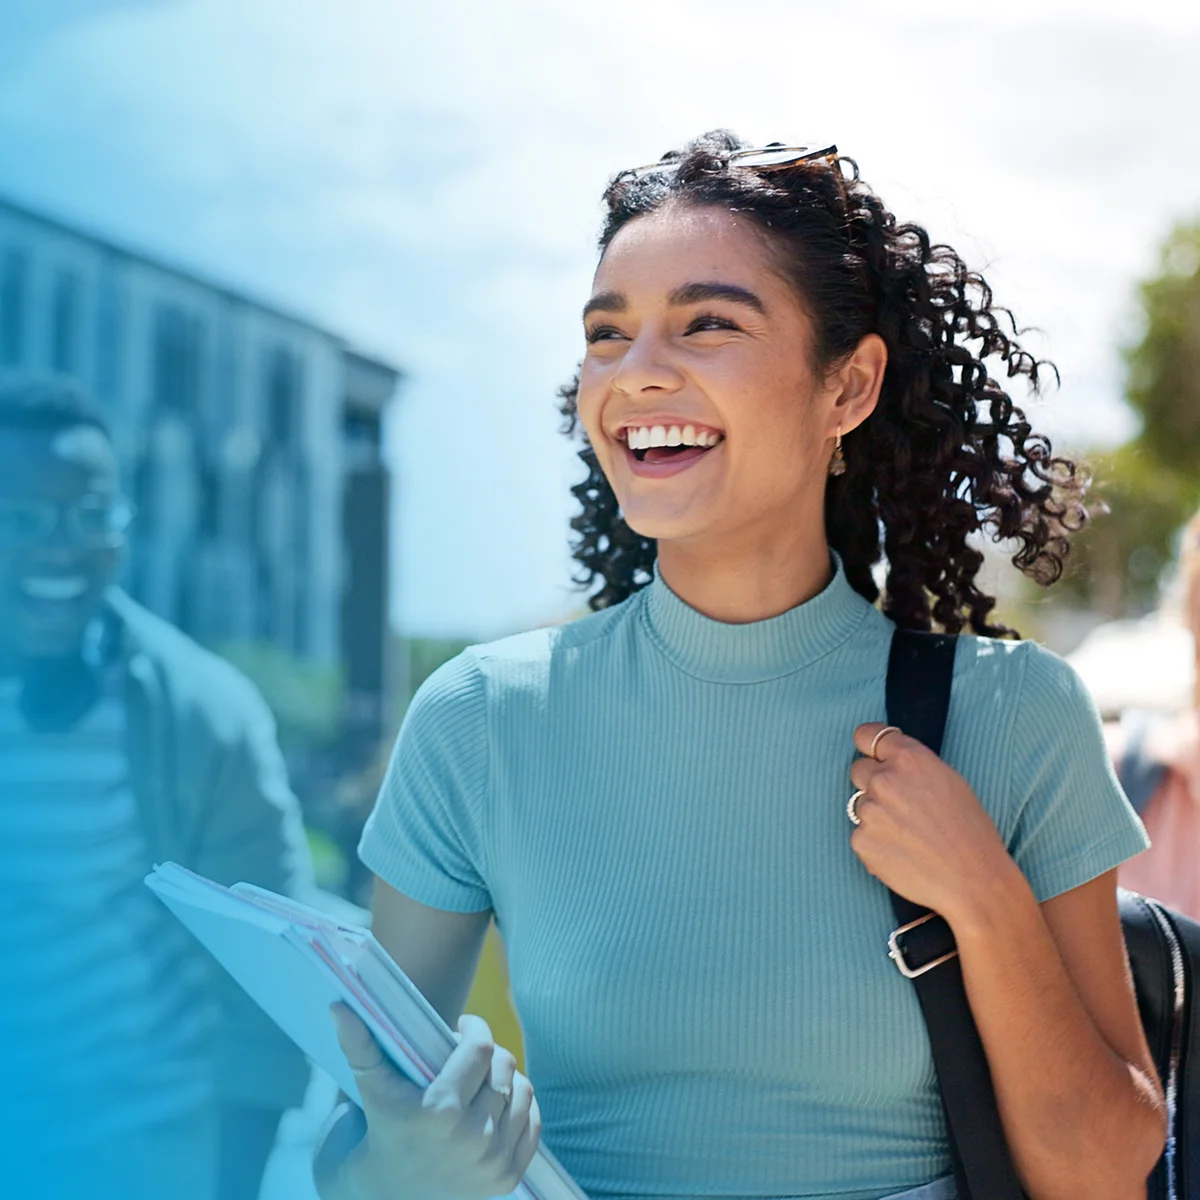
(852, 806)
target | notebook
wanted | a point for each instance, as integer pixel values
(296, 961)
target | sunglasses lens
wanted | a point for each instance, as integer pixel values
(781, 156)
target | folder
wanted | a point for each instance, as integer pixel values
(295, 961)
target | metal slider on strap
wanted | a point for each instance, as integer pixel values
(896, 951)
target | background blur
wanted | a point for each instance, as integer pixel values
(323, 264)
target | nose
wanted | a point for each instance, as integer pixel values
(646, 367)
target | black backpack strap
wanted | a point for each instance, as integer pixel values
(920, 671)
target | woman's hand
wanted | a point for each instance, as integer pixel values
(922, 830)
(458, 1139)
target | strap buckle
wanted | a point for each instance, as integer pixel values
(896, 951)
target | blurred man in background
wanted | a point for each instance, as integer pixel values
(132, 1066)
(1158, 762)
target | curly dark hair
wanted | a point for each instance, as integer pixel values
(945, 454)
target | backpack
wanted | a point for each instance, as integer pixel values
(1164, 956)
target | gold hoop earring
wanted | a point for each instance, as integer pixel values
(837, 464)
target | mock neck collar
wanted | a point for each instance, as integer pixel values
(756, 650)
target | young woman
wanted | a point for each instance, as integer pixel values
(784, 399)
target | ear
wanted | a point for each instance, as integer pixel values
(855, 386)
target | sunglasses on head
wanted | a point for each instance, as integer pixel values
(762, 158)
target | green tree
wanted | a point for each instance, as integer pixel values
(306, 698)
(1151, 485)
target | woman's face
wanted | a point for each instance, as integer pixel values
(694, 339)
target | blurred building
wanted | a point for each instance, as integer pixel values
(249, 439)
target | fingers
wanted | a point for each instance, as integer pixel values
(491, 1113)
(379, 1083)
(871, 740)
(360, 1048)
(466, 1070)
(504, 1069)
(527, 1144)
(863, 773)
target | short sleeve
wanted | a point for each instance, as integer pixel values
(1074, 822)
(423, 836)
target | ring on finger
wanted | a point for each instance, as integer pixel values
(879, 737)
(359, 1072)
(852, 806)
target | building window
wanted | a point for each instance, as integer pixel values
(64, 331)
(14, 269)
(109, 323)
(283, 382)
(178, 360)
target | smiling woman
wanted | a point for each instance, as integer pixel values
(782, 386)
(821, 235)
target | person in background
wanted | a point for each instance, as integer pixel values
(1158, 763)
(133, 1066)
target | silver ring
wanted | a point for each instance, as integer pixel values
(852, 806)
(359, 1072)
(506, 1092)
(881, 734)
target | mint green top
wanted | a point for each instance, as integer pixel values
(654, 805)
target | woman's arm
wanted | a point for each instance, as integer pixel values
(1051, 993)
(1049, 984)
(439, 951)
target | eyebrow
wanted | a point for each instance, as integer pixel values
(697, 293)
(690, 293)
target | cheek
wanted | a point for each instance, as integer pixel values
(589, 409)
(102, 565)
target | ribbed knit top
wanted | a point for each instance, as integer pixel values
(653, 804)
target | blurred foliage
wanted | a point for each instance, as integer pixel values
(331, 868)
(424, 656)
(307, 699)
(1151, 485)
(417, 658)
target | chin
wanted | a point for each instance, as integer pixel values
(41, 644)
(663, 528)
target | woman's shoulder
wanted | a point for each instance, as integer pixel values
(521, 662)
(1015, 669)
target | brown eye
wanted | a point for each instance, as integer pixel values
(601, 333)
(709, 324)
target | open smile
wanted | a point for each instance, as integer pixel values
(658, 450)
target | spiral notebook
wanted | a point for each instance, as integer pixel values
(295, 961)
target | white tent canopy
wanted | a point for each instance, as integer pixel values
(1145, 664)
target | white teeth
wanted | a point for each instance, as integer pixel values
(45, 588)
(642, 437)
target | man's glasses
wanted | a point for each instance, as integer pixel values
(94, 521)
(765, 158)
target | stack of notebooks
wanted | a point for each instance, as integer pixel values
(295, 962)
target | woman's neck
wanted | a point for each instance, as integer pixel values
(752, 583)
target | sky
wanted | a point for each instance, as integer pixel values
(425, 180)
